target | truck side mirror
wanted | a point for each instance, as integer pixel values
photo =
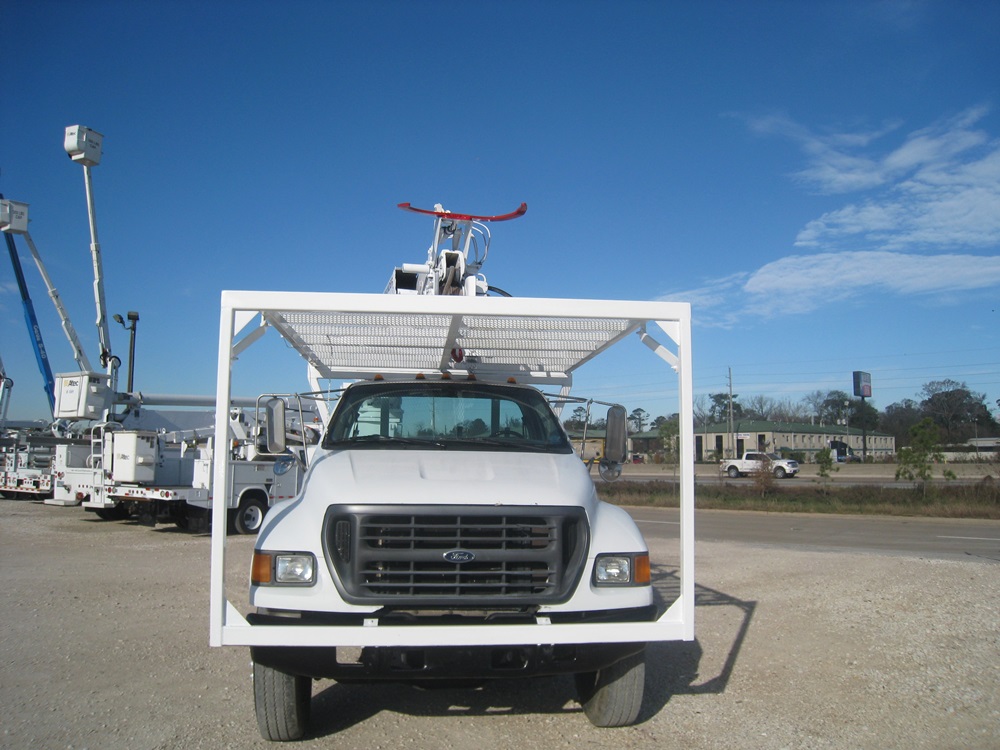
(274, 422)
(616, 436)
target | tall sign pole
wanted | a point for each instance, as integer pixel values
(863, 388)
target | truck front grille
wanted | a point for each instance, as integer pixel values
(448, 556)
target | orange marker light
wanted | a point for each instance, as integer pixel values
(260, 570)
(642, 572)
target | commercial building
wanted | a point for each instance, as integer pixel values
(804, 440)
(801, 440)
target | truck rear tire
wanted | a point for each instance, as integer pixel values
(281, 702)
(250, 515)
(612, 697)
(733, 472)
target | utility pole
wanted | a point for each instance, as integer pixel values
(732, 435)
(847, 430)
(864, 432)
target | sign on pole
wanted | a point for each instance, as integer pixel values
(862, 384)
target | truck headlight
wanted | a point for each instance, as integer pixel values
(283, 569)
(628, 569)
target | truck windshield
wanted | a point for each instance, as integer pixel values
(445, 415)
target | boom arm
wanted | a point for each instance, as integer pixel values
(84, 147)
(95, 252)
(32, 320)
(67, 324)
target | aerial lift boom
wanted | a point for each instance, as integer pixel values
(14, 217)
(67, 324)
(84, 147)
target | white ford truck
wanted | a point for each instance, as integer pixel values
(757, 461)
(445, 529)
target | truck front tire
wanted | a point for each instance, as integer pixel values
(612, 697)
(250, 515)
(282, 702)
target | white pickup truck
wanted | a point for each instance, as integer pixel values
(754, 462)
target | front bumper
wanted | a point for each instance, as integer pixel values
(430, 663)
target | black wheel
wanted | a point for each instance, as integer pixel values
(779, 473)
(612, 697)
(281, 702)
(733, 472)
(250, 515)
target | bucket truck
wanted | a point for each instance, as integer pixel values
(445, 529)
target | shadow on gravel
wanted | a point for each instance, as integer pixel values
(340, 706)
(672, 668)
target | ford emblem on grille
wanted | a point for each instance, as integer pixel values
(459, 556)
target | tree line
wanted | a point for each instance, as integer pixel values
(956, 413)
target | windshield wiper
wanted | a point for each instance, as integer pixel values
(389, 440)
(517, 444)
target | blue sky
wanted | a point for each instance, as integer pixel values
(820, 179)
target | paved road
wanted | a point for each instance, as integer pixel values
(955, 539)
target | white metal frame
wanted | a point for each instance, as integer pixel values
(330, 330)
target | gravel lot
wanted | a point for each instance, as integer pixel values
(104, 644)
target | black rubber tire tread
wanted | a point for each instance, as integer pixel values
(282, 703)
(612, 697)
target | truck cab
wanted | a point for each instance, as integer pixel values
(438, 502)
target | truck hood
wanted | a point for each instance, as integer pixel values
(448, 477)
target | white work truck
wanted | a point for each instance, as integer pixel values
(445, 530)
(167, 477)
(26, 465)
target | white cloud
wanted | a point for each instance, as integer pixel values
(714, 300)
(867, 219)
(804, 283)
(833, 166)
(930, 205)
(848, 161)
(940, 188)
(800, 284)
(947, 205)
